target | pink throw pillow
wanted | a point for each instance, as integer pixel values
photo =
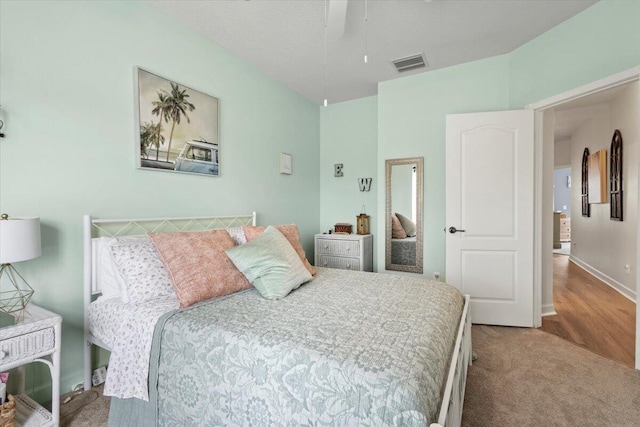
(290, 231)
(198, 266)
(397, 231)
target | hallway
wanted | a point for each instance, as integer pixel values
(590, 313)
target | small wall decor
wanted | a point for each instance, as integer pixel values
(176, 127)
(586, 209)
(286, 167)
(615, 177)
(597, 170)
(365, 184)
(337, 170)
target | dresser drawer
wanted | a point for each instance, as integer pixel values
(26, 345)
(338, 262)
(338, 247)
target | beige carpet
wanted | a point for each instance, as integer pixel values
(523, 377)
(526, 377)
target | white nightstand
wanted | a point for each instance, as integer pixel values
(32, 337)
(344, 251)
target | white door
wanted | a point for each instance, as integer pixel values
(489, 214)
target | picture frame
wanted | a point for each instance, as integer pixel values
(177, 127)
(597, 173)
(286, 167)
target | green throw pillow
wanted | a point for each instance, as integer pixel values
(270, 263)
(408, 225)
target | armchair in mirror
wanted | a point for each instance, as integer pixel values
(403, 220)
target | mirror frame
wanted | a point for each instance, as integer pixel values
(419, 162)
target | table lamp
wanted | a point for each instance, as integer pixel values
(19, 241)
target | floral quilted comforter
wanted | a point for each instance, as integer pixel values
(347, 349)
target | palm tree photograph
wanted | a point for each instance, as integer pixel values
(178, 127)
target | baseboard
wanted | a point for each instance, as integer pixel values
(548, 310)
(622, 289)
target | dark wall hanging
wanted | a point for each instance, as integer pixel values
(615, 176)
(585, 183)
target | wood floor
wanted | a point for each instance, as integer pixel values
(591, 314)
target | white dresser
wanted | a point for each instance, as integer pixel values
(33, 335)
(344, 251)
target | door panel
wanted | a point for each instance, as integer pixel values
(489, 200)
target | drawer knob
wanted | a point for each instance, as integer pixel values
(325, 263)
(326, 246)
(2, 354)
(348, 249)
(348, 265)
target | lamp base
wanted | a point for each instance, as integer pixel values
(15, 292)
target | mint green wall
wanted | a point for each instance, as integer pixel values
(411, 123)
(348, 135)
(67, 92)
(600, 41)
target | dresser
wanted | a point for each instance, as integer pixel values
(344, 251)
(565, 229)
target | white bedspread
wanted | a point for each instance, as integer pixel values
(128, 330)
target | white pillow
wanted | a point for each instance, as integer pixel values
(105, 274)
(237, 234)
(140, 268)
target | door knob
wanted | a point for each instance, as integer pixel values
(454, 230)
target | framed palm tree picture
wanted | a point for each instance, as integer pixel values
(178, 127)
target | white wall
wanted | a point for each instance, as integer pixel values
(547, 209)
(562, 153)
(601, 245)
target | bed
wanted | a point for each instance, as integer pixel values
(348, 348)
(403, 251)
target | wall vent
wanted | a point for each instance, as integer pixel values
(409, 63)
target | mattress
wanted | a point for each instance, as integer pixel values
(403, 251)
(348, 348)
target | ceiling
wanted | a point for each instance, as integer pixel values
(572, 115)
(285, 38)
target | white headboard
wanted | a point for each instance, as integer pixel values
(99, 227)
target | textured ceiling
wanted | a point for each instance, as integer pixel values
(285, 38)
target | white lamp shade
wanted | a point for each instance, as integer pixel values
(19, 239)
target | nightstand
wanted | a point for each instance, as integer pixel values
(344, 251)
(32, 336)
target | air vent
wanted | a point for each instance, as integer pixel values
(409, 63)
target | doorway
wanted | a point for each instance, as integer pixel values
(602, 265)
(562, 200)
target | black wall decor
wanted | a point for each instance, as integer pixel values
(615, 176)
(586, 211)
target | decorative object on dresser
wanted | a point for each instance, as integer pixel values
(615, 178)
(362, 222)
(19, 241)
(344, 251)
(32, 336)
(342, 228)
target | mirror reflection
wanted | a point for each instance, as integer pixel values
(404, 214)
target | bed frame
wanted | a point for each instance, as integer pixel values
(450, 414)
(94, 227)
